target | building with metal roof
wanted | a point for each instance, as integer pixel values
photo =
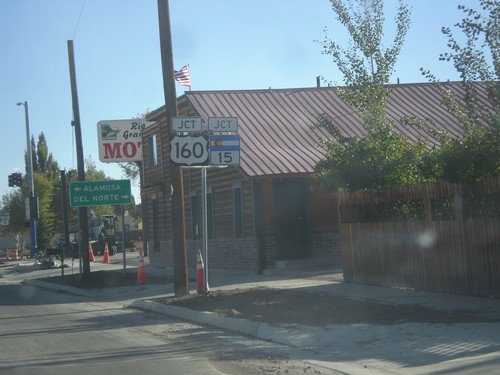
(269, 208)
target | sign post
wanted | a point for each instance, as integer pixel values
(189, 148)
(121, 140)
(225, 150)
(223, 124)
(98, 193)
(186, 124)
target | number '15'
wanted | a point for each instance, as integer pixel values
(224, 157)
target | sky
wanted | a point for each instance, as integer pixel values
(228, 44)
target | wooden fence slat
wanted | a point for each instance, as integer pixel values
(456, 254)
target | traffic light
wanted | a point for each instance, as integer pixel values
(15, 179)
(18, 179)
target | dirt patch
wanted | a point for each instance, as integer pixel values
(284, 306)
(293, 307)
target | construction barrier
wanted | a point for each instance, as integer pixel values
(142, 277)
(91, 253)
(200, 274)
(106, 254)
(13, 254)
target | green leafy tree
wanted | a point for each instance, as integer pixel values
(34, 162)
(46, 164)
(382, 157)
(13, 202)
(476, 57)
(46, 224)
(44, 172)
(47, 180)
(376, 162)
(94, 174)
(366, 64)
(132, 169)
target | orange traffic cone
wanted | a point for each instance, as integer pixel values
(142, 278)
(91, 253)
(200, 274)
(106, 254)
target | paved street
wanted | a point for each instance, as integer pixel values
(104, 332)
(46, 332)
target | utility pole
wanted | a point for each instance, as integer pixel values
(33, 207)
(82, 211)
(181, 281)
(67, 245)
(144, 212)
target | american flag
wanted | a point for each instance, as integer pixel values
(182, 76)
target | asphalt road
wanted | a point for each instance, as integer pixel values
(46, 332)
(105, 337)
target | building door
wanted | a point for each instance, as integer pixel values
(291, 213)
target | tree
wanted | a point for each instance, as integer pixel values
(477, 59)
(46, 223)
(366, 65)
(47, 182)
(44, 174)
(46, 164)
(132, 169)
(94, 174)
(46, 178)
(383, 157)
(13, 202)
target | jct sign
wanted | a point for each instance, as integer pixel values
(120, 140)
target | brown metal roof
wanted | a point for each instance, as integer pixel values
(277, 126)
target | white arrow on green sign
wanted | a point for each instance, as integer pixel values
(98, 193)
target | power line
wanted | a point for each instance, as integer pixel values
(79, 17)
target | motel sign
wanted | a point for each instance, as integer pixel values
(120, 140)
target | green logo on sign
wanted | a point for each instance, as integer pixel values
(108, 133)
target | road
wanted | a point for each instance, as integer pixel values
(46, 332)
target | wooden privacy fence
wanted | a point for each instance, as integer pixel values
(436, 236)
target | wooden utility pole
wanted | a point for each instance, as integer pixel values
(82, 211)
(181, 281)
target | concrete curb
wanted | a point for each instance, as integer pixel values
(60, 288)
(259, 330)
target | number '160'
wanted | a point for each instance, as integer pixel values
(187, 150)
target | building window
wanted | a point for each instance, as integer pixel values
(156, 224)
(238, 210)
(195, 217)
(153, 152)
(210, 215)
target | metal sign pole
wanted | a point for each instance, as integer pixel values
(204, 223)
(123, 242)
(80, 259)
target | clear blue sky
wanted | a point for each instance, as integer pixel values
(229, 44)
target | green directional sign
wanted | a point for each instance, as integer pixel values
(98, 193)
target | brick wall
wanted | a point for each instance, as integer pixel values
(230, 254)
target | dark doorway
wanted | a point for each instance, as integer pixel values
(291, 208)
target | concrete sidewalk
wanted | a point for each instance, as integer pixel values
(323, 281)
(314, 281)
(409, 348)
